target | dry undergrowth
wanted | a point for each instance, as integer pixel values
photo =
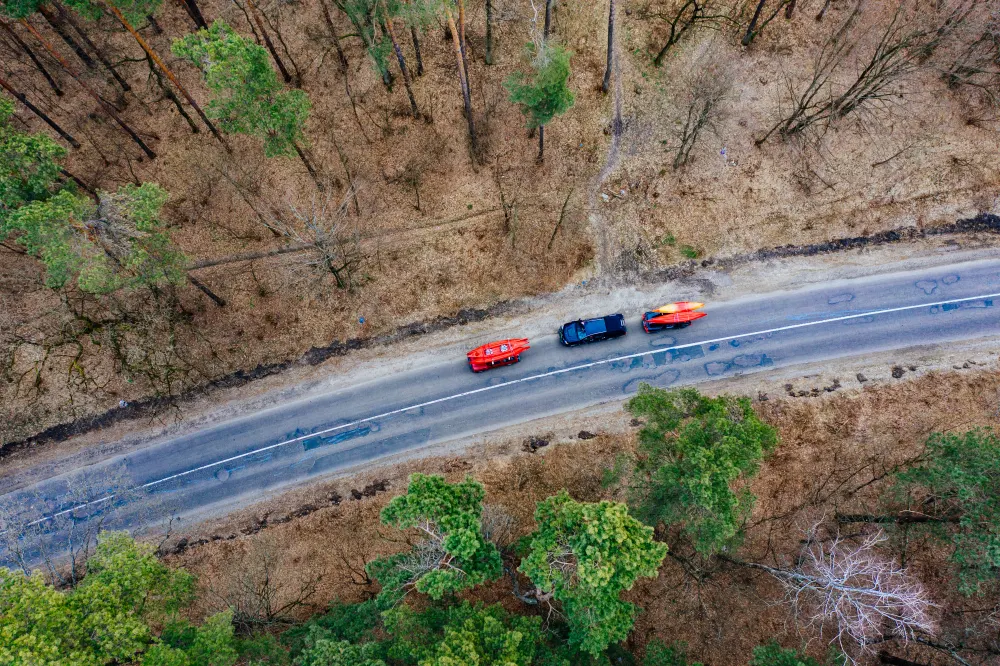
(831, 449)
(919, 161)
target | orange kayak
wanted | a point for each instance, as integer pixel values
(681, 306)
(494, 354)
(676, 318)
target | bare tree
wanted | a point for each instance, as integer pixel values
(260, 590)
(849, 586)
(902, 44)
(976, 64)
(334, 244)
(760, 18)
(58, 536)
(706, 86)
(685, 17)
(498, 526)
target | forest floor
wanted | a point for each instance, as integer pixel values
(836, 445)
(441, 234)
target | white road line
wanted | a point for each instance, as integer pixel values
(511, 382)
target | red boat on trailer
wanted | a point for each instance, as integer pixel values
(672, 315)
(495, 354)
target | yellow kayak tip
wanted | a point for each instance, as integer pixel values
(682, 306)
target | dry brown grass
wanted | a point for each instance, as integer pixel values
(829, 447)
(455, 251)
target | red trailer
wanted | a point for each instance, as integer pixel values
(495, 354)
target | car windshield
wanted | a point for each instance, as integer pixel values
(573, 331)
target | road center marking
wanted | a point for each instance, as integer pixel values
(511, 382)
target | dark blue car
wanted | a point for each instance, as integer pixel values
(592, 330)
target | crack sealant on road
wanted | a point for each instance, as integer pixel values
(543, 375)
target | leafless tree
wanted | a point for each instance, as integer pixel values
(765, 12)
(261, 589)
(333, 241)
(849, 586)
(706, 86)
(498, 526)
(901, 45)
(976, 63)
(684, 17)
(57, 536)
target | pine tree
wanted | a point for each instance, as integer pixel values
(248, 98)
(584, 555)
(692, 450)
(454, 554)
(544, 93)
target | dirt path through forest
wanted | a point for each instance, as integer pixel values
(599, 227)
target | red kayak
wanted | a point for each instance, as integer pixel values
(654, 321)
(495, 354)
(674, 319)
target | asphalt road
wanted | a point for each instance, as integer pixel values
(240, 461)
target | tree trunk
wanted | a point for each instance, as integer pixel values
(170, 94)
(309, 167)
(34, 59)
(890, 660)
(170, 75)
(60, 30)
(751, 29)
(267, 41)
(87, 188)
(218, 300)
(901, 518)
(541, 144)
(548, 19)
(191, 7)
(611, 47)
(489, 32)
(416, 50)
(462, 45)
(69, 18)
(353, 191)
(789, 9)
(341, 58)
(288, 249)
(104, 105)
(562, 216)
(822, 11)
(34, 109)
(466, 98)
(154, 24)
(402, 65)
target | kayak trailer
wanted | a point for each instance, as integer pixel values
(496, 354)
